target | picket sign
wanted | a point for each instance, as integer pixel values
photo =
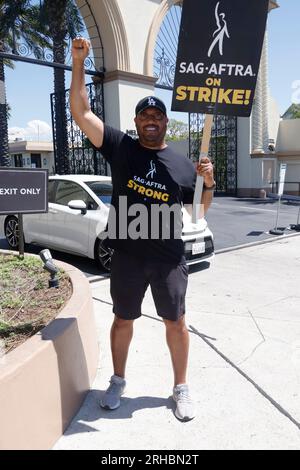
(209, 118)
(218, 57)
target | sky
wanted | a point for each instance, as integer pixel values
(28, 87)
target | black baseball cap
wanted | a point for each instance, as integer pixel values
(150, 102)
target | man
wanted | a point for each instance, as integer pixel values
(145, 172)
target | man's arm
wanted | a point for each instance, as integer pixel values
(88, 122)
(205, 169)
(207, 197)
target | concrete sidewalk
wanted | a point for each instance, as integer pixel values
(244, 372)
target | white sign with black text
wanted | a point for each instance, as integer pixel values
(282, 173)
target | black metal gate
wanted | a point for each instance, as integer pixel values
(80, 157)
(223, 144)
(222, 151)
(73, 153)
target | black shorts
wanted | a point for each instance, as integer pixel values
(130, 278)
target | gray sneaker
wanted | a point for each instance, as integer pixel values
(111, 398)
(185, 408)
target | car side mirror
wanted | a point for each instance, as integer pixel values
(78, 205)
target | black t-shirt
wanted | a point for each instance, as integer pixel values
(153, 178)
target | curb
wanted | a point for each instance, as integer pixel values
(261, 242)
(44, 381)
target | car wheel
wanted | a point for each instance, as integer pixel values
(11, 230)
(103, 254)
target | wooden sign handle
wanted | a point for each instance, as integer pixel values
(203, 153)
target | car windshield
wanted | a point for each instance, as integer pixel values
(102, 190)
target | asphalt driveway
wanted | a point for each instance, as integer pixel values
(238, 221)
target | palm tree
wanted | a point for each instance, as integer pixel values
(63, 21)
(8, 111)
(4, 155)
(18, 21)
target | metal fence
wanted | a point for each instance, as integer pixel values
(290, 187)
(73, 152)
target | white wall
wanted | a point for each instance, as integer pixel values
(269, 169)
(49, 157)
(112, 104)
(124, 27)
(288, 139)
(137, 22)
(243, 153)
(292, 174)
(130, 94)
(120, 99)
(47, 160)
(274, 118)
(292, 171)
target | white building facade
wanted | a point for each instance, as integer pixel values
(27, 154)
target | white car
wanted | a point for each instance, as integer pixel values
(78, 213)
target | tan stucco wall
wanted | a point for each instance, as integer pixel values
(44, 381)
(288, 136)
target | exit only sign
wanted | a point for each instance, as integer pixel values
(23, 191)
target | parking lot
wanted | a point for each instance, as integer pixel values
(233, 221)
(239, 221)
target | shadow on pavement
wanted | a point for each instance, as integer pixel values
(91, 410)
(262, 201)
(196, 268)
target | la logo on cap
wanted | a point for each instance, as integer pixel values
(151, 102)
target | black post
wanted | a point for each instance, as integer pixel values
(21, 235)
(276, 230)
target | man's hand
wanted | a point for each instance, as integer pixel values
(205, 168)
(81, 111)
(80, 49)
